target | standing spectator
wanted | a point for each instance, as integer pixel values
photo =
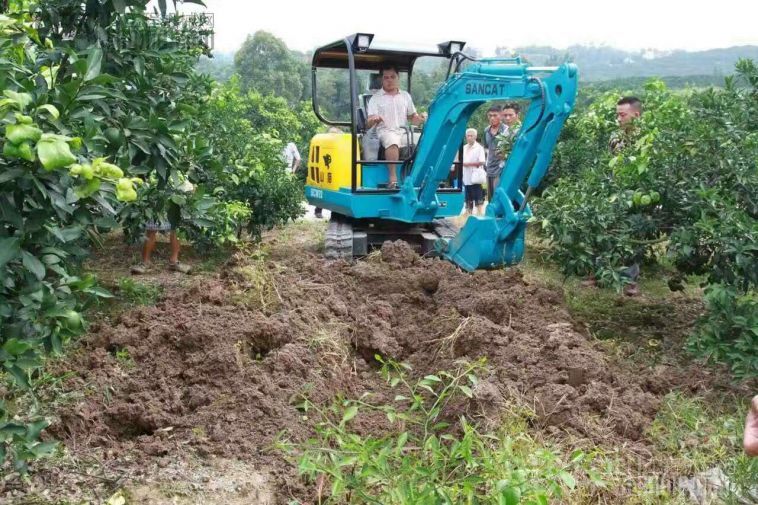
(628, 109)
(151, 235)
(291, 157)
(473, 163)
(509, 116)
(494, 163)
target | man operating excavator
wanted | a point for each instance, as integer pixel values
(388, 110)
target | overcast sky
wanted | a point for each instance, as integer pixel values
(636, 24)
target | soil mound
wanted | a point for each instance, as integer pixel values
(222, 366)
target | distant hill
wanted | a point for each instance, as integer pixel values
(615, 67)
(600, 63)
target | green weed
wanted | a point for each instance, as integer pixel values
(139, 293)
(428, 454)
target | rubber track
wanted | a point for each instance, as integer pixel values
(339, 240)
(445, 228)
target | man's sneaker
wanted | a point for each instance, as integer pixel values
(632, 289)
(138, 269)
(180, 267)
(589, 282)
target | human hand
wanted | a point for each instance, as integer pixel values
(374, 119)
(751, 429)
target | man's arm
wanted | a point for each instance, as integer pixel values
(751, 429)
(373, 118)
(296, 158)
(413, 116)
(417, 119)
(482, 158)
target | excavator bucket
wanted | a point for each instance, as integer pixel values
(485, 243)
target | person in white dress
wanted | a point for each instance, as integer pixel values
(474, 174)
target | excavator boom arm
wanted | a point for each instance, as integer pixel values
(498, 237)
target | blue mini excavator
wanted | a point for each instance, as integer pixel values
(348, 177)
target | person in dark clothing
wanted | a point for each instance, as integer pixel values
(494, 163)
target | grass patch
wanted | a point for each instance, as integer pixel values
(139, 293)
(256, 284)
(212, 261)
(124, 358)
(631, 327)
(331, 346)
(696, 436)
(306, 234)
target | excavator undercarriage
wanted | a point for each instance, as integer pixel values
(347, 237)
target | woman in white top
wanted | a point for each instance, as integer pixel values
(473, 172)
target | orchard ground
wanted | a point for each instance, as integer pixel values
(183, 384)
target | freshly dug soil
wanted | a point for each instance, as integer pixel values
(219, 368)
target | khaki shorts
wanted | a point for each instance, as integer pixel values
(392, 138)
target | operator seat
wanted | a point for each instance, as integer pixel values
(369, 141)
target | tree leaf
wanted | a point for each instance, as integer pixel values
(94, 62)
(12, 429)
(35, 428)
(22, 99)
(54, 152)
(51, 109)
(510, 496)
(16, 347)
(119, 6)
(401, 441)
(350, 413)
(568, 479)
(19, 377)
(44, 449)
(33, 264)
(11, 174)
(9, 249)
(99, 292)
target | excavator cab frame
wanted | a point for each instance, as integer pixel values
(357, 52)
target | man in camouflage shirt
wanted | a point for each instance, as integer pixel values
(509, 117)
(628, 109)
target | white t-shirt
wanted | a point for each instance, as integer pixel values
(472, 154)
(393, 109)
(290, 154)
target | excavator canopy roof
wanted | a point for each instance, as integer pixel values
(368, 56)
